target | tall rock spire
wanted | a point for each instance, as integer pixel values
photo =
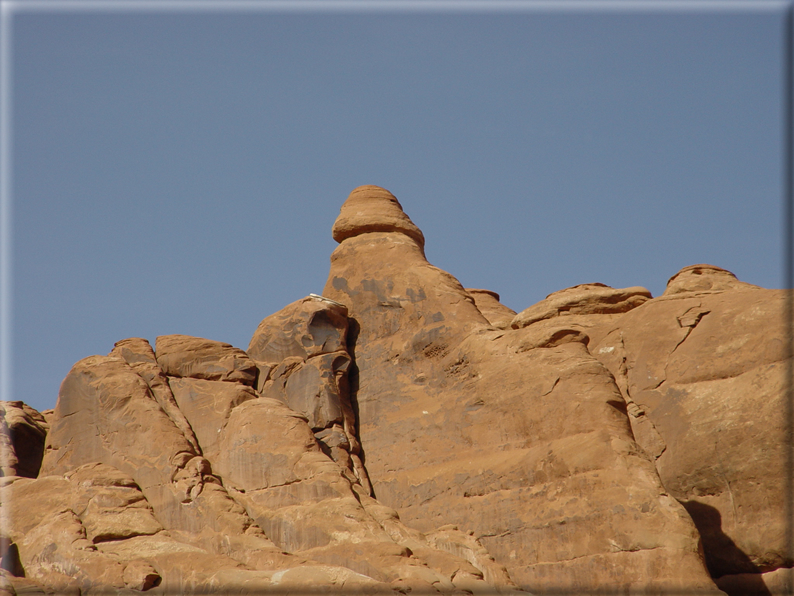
(492, 429)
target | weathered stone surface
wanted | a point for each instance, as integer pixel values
(94, 525)
(207, 406)
(487, 302)
(56, 521)
(584, 299)
(305, 328)
(374, 209)
(704, 278)
(22, 434)
(261, 445)
(316, 507)
(139, 355)
(57, 584)
(128, 503)
(186, 356)
(459, 424)
(704, 366)
(106, 413)
(115, 508)
(599, 440)
(311, 390)
(141, 576)
(303, 348)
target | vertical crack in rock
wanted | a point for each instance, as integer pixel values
(688, 320)
(138, 353)
(722, 387)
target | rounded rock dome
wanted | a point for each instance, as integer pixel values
(373, 209)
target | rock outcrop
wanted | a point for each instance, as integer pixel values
(704, 365)
(487, 302)
(22, 434)
(401, 434)
(502, 433)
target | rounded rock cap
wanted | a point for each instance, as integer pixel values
(703, 278)
(701, 269)
(583, 299)
(374, 209)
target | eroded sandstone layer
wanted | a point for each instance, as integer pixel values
(401, 434)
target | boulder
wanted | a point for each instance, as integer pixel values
(308, 327)
(584, 299)
(704, 278)
(374, 209)
(198, 358)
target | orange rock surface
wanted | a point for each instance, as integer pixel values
(401, 434)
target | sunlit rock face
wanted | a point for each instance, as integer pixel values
(301, 352)
(502, 433)
(401, 434)
(374, 209)
(487, 302)
(196, 467)
(704, 366)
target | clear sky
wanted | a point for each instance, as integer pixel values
(180, 171)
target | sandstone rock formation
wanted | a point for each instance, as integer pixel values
(487, 302)
(503, 433)
(704, 364)
(402, 434)
(22, 434)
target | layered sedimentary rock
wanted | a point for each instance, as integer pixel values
(709, 388)
(521, 438)
(487, 302)
(195, 481)
(22, 434)
(401, 434)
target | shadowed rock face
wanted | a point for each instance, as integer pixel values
(401, 434)
(22, 434)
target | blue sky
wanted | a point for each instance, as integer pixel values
(179, 171)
